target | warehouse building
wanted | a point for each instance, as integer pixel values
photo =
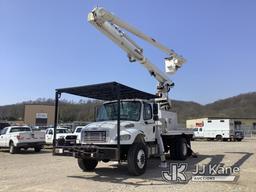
(39, 115)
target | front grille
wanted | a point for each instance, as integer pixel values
(71, 137)
(96, 136)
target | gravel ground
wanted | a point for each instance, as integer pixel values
(29, 171)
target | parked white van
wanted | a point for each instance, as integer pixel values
(219, 129)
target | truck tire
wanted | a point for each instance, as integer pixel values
(137, 159)
(218, 137)
(12, 148)
(173, 150)
(179, 149)
(238, 139)
(87, 164)
(38, 149)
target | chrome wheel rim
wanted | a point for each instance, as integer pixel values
(184, 149)
(141, 159)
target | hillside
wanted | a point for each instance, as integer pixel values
(243, 105)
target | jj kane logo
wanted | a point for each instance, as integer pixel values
(206, 173)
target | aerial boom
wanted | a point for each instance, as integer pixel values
(111, 26)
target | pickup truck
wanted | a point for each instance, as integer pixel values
(62, 135)
(18, 137)
(77, 132)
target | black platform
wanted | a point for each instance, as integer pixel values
(107, 91)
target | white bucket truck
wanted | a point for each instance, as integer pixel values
(131, 125)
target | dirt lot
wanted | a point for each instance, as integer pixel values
(29, 171)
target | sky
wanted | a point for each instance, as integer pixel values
(48, 44)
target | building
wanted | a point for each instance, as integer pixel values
(39, 115)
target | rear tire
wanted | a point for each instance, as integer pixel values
(218, 137)
(87, 164)
(137, 159)
(38, 149)
(12, 148)
(179, 149)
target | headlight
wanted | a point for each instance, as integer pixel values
(124, 137)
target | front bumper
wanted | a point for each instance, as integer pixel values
(89, 151)
(239, 135)
(31, 144)
(65, 142)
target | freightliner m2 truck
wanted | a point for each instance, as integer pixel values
(131, 125)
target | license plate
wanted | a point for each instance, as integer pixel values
(58, 150)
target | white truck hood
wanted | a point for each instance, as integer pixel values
(108, 125)
(126, 127)
(59, 135)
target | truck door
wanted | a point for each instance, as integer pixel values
(149, 124)
(49, 136)
(3, 137)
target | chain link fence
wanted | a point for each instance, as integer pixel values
(249, 131)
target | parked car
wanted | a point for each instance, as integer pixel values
(77, 132)
(63, 136)
(17, 137)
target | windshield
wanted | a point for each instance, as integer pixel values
(20, 129)
(129, 110)
(62, 131)
(78, 130)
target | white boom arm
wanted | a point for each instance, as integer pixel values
(110, 25)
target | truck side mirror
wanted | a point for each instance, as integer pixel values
(155, 112)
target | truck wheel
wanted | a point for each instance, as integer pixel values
(105, 160)
(137, 159)
(218, 137)
(12, 148)
(179, 149)
(38, 149)
(238, 139)
(87, 164)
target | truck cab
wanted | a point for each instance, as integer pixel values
(136, 117)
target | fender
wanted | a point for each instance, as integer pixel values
(136, 135)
